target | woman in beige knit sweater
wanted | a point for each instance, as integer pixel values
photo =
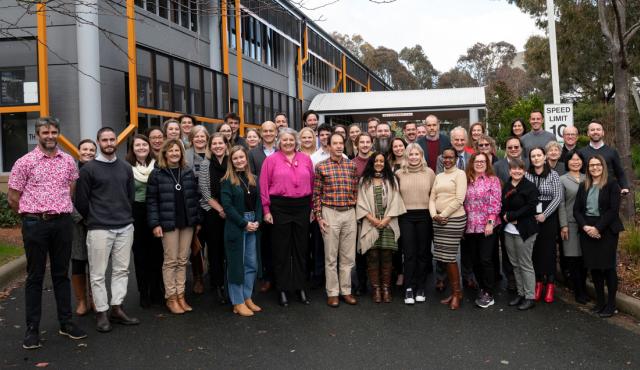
(416, 179)
(446, 208)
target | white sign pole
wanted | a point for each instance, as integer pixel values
(553, 51)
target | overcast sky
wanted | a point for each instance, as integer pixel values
(444, 28)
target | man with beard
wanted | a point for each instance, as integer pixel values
(434, 142)
(383, 138)
(281, 120)
(104, 199)
(596, 146)
(40, 188)
(410, 131)
(422, 131)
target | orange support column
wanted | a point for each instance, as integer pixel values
(344, 73)
(43, 61)
(133, 73)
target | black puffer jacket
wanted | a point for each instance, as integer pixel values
(161, 207)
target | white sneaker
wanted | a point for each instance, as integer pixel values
(408, 297)
(420, 296)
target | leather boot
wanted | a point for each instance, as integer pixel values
(174, 306)
(374, 278)
(183, 304)
(242, 310)
(118, 316)
(454, 277)
(79, 283)
(448, 300)
(252, 306)
(102, 322)
(538, 292)
(198, 285)
(387, 269)
(548, 297)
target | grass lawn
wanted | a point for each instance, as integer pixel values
(9, 252)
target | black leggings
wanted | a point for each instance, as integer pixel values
(79, 267)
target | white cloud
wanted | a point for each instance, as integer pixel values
(444, 28)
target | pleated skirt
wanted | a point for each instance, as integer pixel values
(446, 239)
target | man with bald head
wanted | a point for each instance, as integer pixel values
(570, 138)
(596, 146)
(434, 142)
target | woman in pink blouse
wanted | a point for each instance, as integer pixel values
(482, 205)
(286, 185)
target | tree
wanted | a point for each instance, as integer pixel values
(420, 66)
(499, 99)
(455, 78)
(481, 61)
(352, 43)
(613, 22)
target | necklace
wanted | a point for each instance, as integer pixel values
(178, 186)
(246, 186)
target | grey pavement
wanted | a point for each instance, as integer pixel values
(428, 335)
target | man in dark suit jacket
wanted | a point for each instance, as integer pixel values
(434, 142)
(458, 142)
(267, 147)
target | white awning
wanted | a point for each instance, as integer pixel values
(400, 100)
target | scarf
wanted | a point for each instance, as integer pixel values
(141, 173)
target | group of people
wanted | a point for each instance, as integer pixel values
(329, 204)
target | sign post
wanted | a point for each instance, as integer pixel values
(556, 118)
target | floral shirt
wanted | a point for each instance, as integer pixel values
(482, 203)
(45, 182)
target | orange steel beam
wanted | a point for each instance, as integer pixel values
(338, 83)
(344, 73)
(133, 73)
(368, 82)
(43, 76)
(163, 113)
(225, 37)
(20, 109)
(356, 81)
(303, 57)
(239, 66)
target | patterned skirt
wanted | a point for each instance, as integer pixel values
(386, 238)
(446, 239)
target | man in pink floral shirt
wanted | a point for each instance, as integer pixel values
(40, 188)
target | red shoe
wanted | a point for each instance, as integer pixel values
(538, 291)
(549, 296)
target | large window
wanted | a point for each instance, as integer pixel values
(170, 84)
(182, 12)
(261, 103)
(18, 136)
(317, 73)
(18, 72)
(259, 42)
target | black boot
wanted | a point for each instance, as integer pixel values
(222, 295)
(118, 316)
(282, 299)
(102, 322)
(304, 298)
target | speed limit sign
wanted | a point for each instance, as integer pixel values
(557, 117)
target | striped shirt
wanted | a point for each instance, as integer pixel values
(550, 189)
(335, 185)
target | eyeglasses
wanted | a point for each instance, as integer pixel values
(513, 147)
(592, 165)
(448, 157)
(570, 134)
(483, 145)
(479, 162)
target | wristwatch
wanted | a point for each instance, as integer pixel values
(490, 222)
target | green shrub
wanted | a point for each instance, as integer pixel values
(635, 159)
(630, 241)
(8, 217)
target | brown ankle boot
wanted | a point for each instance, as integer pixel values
(174, 306)
(242, 310)
(79, 283)
(252, 306)
(374, 279)
(454, 278)
(183, 304)
(387, 268)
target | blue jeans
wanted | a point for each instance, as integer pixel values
(238, 293)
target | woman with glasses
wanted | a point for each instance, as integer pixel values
(596, 212)
(487, 146)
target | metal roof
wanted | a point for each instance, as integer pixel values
(395, 100)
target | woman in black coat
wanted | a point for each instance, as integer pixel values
(596, 212)
(172, 212)
(519, 201)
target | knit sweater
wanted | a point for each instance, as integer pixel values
(415, 186)
(448, 193)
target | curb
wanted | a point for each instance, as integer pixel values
(12, 269)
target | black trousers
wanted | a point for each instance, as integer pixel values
(481, 248)
(290, 241)
(610, 276)
(42, 238)
(417, 234)
(148, 255)
(317, 252)
(213, 228)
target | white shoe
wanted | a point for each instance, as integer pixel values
(420, 297)
(408, 297)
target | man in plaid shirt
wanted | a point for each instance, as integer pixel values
(335, 193)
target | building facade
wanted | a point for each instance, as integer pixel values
(77, 62)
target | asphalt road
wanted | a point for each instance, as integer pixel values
(558, 335)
